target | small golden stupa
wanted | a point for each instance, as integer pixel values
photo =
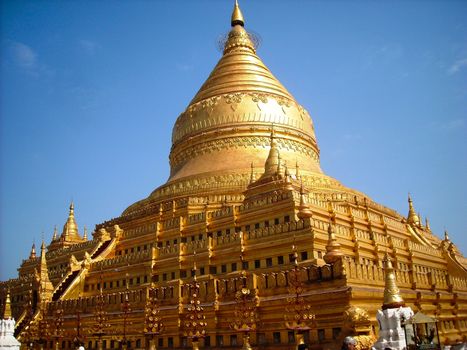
(235, 199)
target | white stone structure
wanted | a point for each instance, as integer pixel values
(391, 334)
(7, 339)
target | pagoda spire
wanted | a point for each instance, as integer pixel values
(427, 224)
(446, 236)
(44, 271)
(85, 234)
(273, 161)
(43, 259)
(412, 217)
(7, 311)
(237, 16)
(297, 171)
(252, 175)
(333, 248)
(55, 236)
(392, 298)
(303, 210)
(32, 255)
(70, 229)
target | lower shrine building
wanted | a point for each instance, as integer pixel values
(248, 242)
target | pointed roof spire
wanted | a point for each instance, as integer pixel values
(46, 288)
(85, 234)
(55, 236)
(427, 224)
(273, 161)
(237, 16)
(70, 229)
(412, 217)
(392, 298)
(333, 248)
(252, 175)
(7, 311)
(238, 38)
(446, 236)
(303, 210)
(43, 267)
(32, 255)
(297, 171)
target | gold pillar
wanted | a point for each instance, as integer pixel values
(195, 344)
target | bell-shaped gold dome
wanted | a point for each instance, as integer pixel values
(226, 126)
(223, 137)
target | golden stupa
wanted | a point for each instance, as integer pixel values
(248, 244)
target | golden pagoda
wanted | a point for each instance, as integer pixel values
(245, 186)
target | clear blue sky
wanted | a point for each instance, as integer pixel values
(90, 91)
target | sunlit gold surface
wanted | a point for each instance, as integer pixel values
(392, 297)
(231, 116)
(333, 248)
(245, 183)
(7, 308)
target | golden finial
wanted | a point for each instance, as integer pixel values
(392, 298)
(43, 267)
(252, 174)
(297, 171)
(55, 236)
(446, 236)
(237, 16)
(303, 210)
(287, 178)
(333, 251)
(273, 161)
(427, 224)
(412, 217)
(7, 311)
(85, 234)
(32, 255)
(70, 229)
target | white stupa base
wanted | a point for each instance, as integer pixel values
(391, 334)
(7, 340)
